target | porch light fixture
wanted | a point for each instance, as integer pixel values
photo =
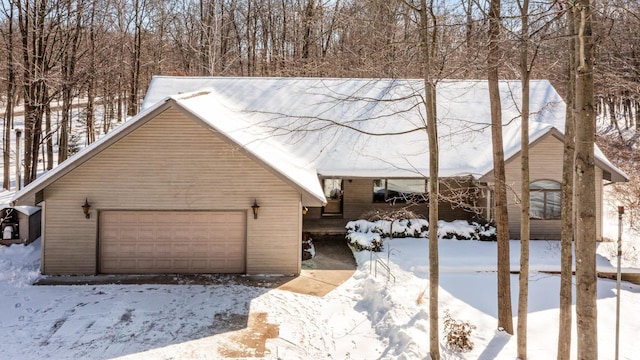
(85, 208)
(305, 210)
(255, 208)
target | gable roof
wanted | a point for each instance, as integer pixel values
(300, 177)
(302, 128)
(371, 127)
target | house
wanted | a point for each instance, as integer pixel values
(19, 224)
(214, 174)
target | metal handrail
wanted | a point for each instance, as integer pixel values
(384, 265)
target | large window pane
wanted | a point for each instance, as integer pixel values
(399, 190)
(545, 185)
(379, 187)
(545, 200)
(332, 188)
(553, 204)
(537, 205)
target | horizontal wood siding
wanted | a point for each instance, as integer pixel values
(358, 198)
(545, 163)
(172, 163)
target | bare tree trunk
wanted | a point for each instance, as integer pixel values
(308, 29)
(134, 81)
(637, 115)
(69, 81)
(567, 215)
(523, 293)
(611, 104)
(8, 115)
(505, 314)
(49, 137)
(428, 44)
(91, 81)
(34, 45)
(586, 280)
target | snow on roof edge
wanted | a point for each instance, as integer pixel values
(317, 193)
(84, 154)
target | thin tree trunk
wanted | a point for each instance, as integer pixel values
(505, 314)
(523, 293)
(49, 137)
(428, 43)
(91, 82)
(586, 280)
(6, 142)
(567, 215)
(134, 83)
(8, 115)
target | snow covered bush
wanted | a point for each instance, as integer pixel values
(457, 333)
(466, 230)
(486, 232)
(370, 235)
(365, 241)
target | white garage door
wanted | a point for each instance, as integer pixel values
(152, 242)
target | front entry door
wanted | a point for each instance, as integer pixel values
(333, 193)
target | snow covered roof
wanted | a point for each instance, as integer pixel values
(301, 177)
(367, 127)
(302, 128)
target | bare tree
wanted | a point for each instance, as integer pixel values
(11, 78)
(523, 292)
(73, 26)
(428, 43)
(37, 34)
(505, 320)
(586, 280)
(139, 15)
(567, 215)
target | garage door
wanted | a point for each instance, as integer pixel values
(151, 242)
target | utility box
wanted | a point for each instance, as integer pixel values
(20, 225)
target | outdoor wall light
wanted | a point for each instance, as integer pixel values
(85, 208)
(255, 208)
(305, 210)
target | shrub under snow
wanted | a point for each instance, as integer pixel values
(369, 235)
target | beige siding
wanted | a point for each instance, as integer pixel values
(545, 162)
(172, 163)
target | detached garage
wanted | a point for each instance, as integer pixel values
(173, 191)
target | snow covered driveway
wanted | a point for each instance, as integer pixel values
(364, 318)
(169, 321)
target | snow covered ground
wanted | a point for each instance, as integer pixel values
(367, 317)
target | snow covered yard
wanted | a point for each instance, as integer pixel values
(364, 318)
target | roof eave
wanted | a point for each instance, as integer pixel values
(89, 152)
(310, 197)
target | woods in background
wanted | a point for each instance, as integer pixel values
(105, 51)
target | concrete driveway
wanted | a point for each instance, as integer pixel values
(332, 266)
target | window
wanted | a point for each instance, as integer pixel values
(332, 188)
(333, 193)
(545, 200)
(399, 190)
